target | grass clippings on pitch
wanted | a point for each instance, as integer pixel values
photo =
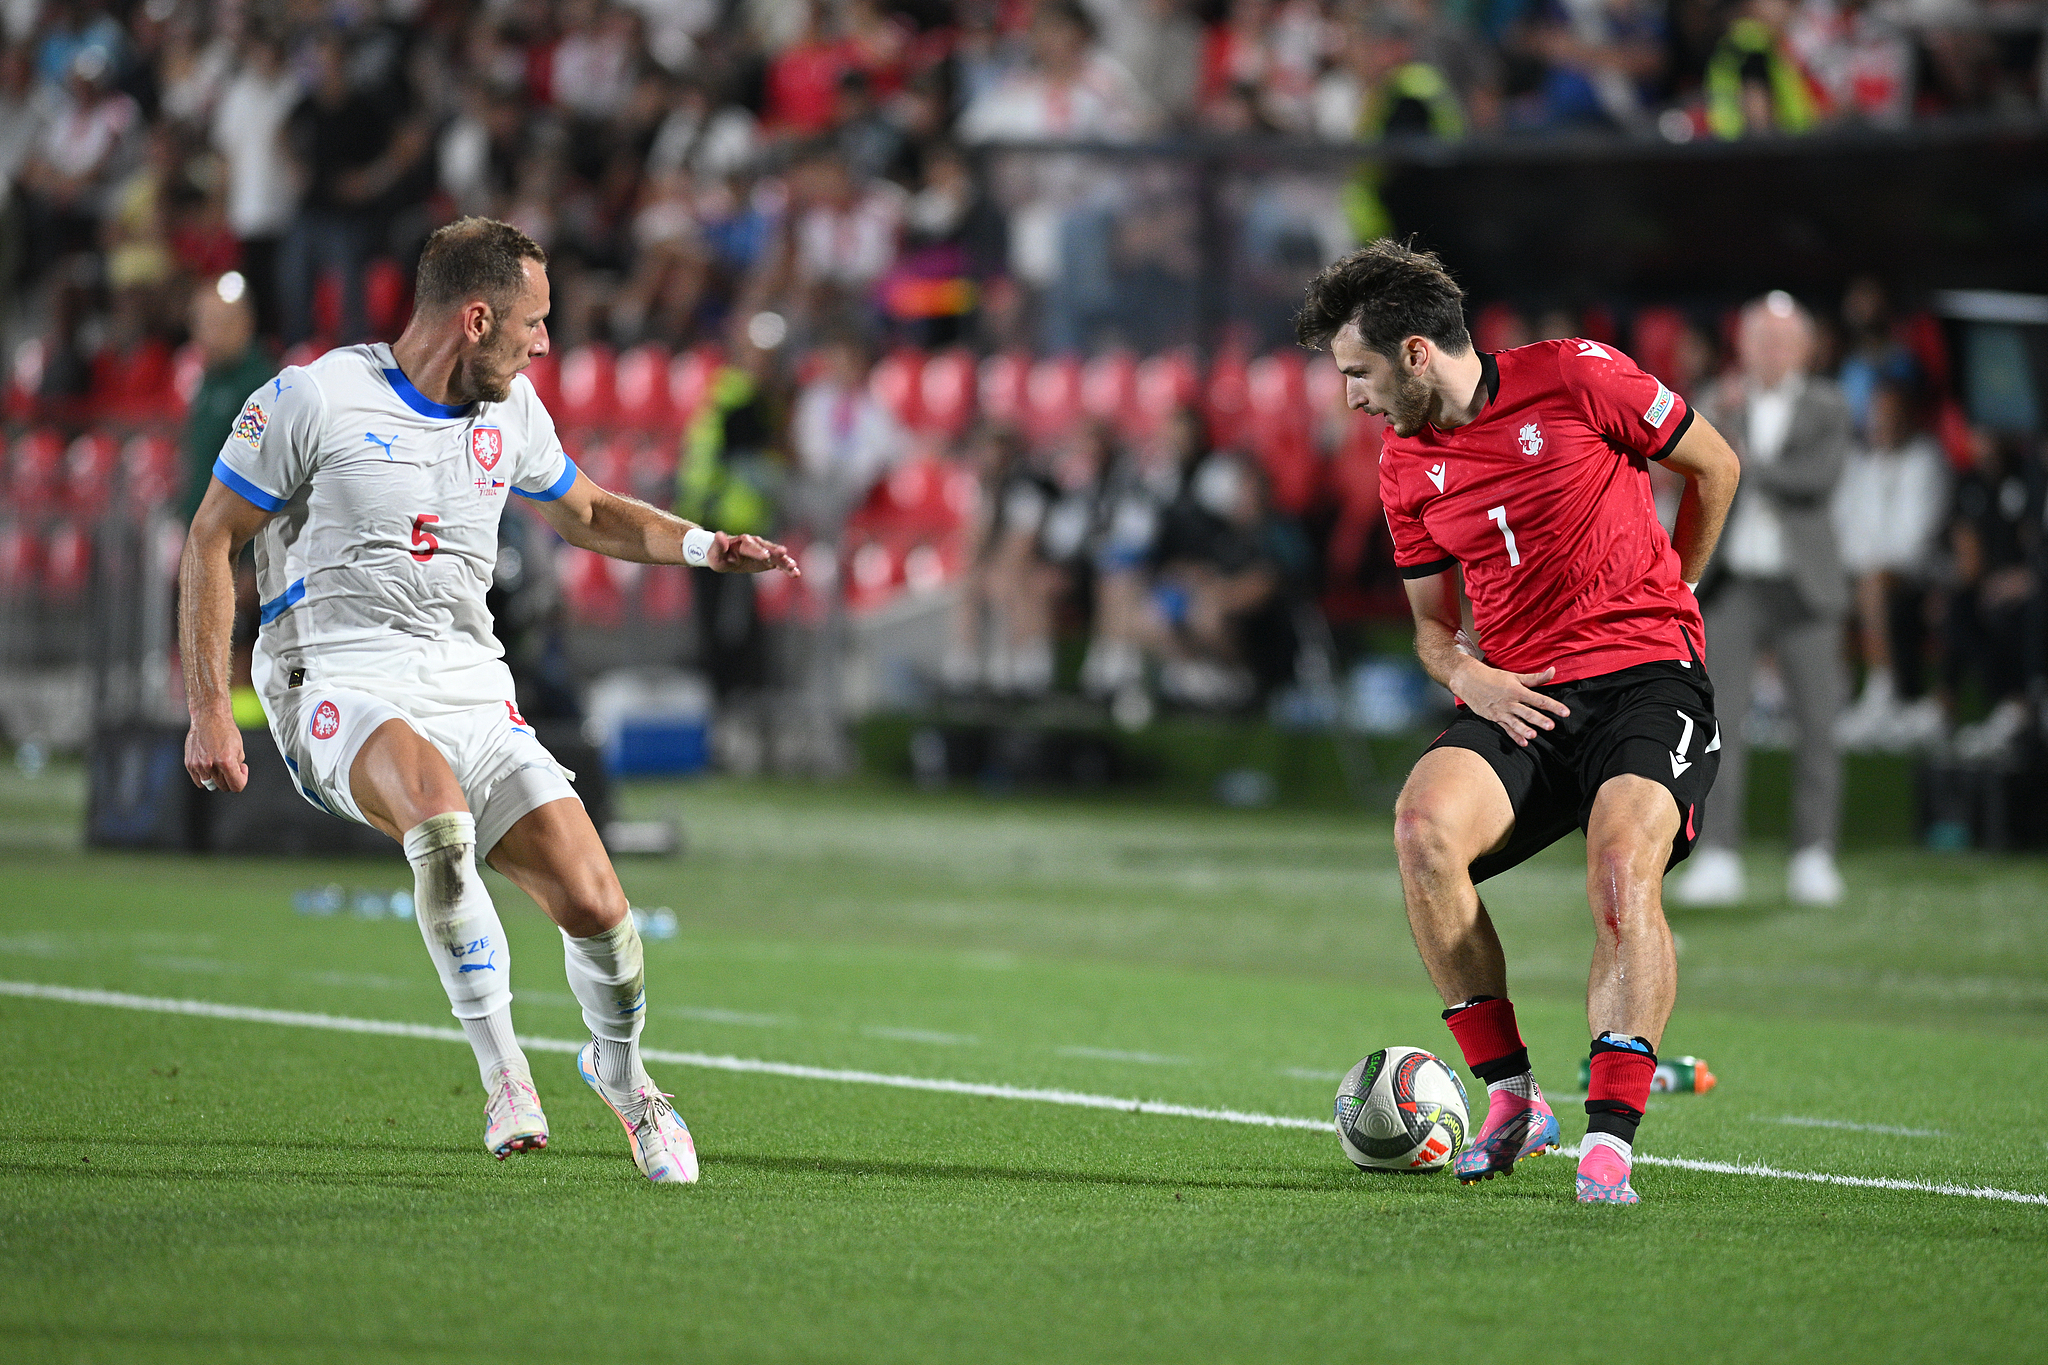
(199, 1189)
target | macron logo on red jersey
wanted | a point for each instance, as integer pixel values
(1436, 476)
(1587, 348)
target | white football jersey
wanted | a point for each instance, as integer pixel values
(373, 572)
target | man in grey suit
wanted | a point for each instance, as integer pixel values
(1777, 584)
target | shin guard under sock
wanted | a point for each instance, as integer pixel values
(463, 935)
(608, 974)
(1486, 1032)
(1619, 1090)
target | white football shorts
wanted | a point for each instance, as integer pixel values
(502, 768)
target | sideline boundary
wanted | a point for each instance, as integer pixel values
(250, 1014)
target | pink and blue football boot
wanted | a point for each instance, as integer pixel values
(1603, 1176)
(1515, 1128)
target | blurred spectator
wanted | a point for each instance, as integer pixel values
(1776, 583)
(995, 619)
(224, 330)
(1606, 63)
(1754, 81)
(1858, 57)
(591, 70)
(1142, 492)
(192, 71)
(1060, 579)
(91, 137)
(844, 441)
(1266, 53)
(955, 241)
(846, 232)
(342, 140)
(1994, 620)
(1161, 45)
(731, 471)
(705, 139)
(1229, 569)
(248, 131)
(1872, 350)
(803, 78)
(1382, 85)
(22, 111)
(1070, 89)
(136, 238)
(1889, 510)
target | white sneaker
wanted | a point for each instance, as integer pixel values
(662, 1147)
(1713, 876)
(513, 1121)
(1811, 878)
(1992, 736)
(1916, 725)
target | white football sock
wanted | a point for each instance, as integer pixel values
(462, 933)
(491, 1039)
(608, 974)
(1522, 1087)
(1620, 1147)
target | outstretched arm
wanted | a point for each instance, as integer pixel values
(626, 528)
(206, 623)
(1509, 700)
(1711, 471)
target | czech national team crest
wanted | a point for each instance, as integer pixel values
(1531, 440)
(326, 720)
(488, 445)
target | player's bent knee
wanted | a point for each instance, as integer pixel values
(1426, 835)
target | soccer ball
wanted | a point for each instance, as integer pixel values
(1401, 1109)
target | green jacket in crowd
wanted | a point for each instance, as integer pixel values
(212, 415)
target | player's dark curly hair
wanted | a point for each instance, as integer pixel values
(1393, 291)
(475, 258)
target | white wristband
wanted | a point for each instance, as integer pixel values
(697, 543)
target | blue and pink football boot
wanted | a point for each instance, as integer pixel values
(1515, 1128)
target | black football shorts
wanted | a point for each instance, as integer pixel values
(1654, 720)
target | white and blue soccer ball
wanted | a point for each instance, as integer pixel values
(1402, 1109)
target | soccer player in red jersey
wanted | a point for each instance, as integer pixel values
(1519, 483)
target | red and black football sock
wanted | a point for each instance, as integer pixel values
(1619, 1090)
(1485, 1029)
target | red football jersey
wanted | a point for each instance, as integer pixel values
(1544, 501)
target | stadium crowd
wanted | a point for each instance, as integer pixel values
(777, 227)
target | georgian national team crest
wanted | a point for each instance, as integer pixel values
(1531, 440)
(326, 720)
(488, 445)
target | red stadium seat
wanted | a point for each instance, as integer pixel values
(387, 298)
(641, 385)
(946, 392)
(545, 374)
(665, 593)
(1166, 383)
(690, 376)
(589, 398)
(591, 588)
(90, 464)
(21, 560)
(894, 383)
(1226, 399)
(1052, 398)
(609, 462)
(135, 385)
(67, 563)
(149, 468)
(1498, 326)
(1653, 339)
(1001, 384)
(654, 468)
(35, 471)
(188, 372)
(1109, 390)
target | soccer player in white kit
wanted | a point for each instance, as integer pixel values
(372, 481)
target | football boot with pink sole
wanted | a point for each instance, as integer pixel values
(1515, 1128)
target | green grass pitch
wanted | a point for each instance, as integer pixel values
(185, 1188)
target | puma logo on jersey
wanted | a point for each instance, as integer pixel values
(1531, 440)
(1587, 348)
(375, 439)
(1436, 476)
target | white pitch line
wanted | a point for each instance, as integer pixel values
(208, 1009)
(1793, 1121)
